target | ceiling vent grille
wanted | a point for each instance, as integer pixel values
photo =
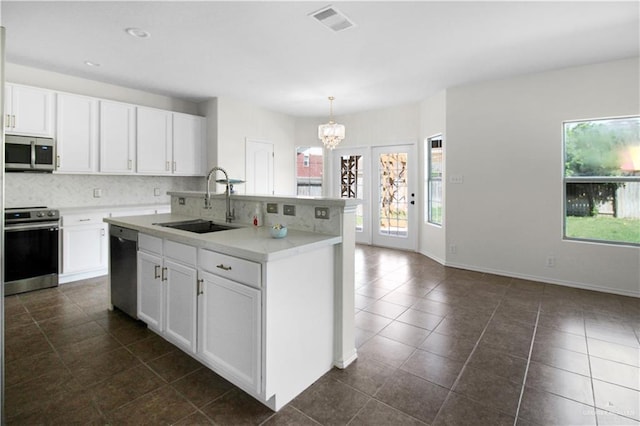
(332, 19)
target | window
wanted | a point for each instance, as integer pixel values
(309, 163)
(352, 184)
(602, 180)
(433, 177)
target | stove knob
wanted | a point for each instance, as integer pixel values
(51, 213)
(40, 214)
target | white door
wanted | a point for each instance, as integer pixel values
(394, 181)
(181, 305)
(150, 290)
(117, 137)
(259, 167)
(352, 180)
(77, 133)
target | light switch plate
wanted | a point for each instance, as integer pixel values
(322, 212)
(272, 207)
(156, 192)
(289, 210)
(97, 193)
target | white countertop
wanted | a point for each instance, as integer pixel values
(251, 243)
(111, 208)
(327, 201)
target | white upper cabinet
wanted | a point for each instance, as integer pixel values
(117, 137)
(28, 111)
(188, 144)
(77, 134)
(154, 141)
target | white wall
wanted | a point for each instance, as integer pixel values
(505, 138)
(237, 121)
(433, 121)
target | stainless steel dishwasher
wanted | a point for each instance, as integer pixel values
(123, 269)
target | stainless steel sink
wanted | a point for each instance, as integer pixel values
(199, 226)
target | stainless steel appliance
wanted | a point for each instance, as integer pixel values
(123, 269)
(31, 249)
(26, 153)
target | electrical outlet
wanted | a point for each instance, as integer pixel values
(272, 207)
(181, 201)
(289, 210)
(453, 249)
(97, 193)
(551, 262)
(322, 212)
(156, 192)
(457, 179)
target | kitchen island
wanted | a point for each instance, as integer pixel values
(269, 315)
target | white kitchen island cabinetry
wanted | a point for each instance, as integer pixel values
(77, 134)
(28, 110)
(117, 137)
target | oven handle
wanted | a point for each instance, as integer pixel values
(33, 154)
(15, 228)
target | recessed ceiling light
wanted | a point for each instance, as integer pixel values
(91, 64)
(137, 32)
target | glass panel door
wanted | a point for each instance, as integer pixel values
(351, 170)
(394, 212)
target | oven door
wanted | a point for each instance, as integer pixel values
(31, 256)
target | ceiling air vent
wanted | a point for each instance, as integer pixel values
(332, 19)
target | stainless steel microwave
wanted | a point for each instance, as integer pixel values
(26, 153)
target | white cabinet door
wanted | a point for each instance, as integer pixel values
(154, 141)
(84, 248)
(181, 305)
(117, 137)
(77, 134)
(230, 328)
(150, 294)
(28, 110)
(188, 144)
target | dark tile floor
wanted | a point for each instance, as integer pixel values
(436, 346)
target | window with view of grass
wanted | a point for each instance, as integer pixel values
(602, 180)
(433, 184)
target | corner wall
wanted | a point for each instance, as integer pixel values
(505, 138)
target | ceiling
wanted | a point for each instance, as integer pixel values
(274, 55)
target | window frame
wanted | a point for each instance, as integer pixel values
(589, 179)
(428, 216)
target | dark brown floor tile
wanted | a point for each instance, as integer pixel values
(16, 333)
(202, 386)
(237, 408)
(433, 307)
(24, 346)
(420, 319)
(18, 320)
(509, 315)
(66, 320)
(195, 419)
(362, 302)
(551, 337)
(289, 416)
(621, 337)
(465, 330)
(606, 418)
(493, 391)
(386, 309)
(434, 368)
(448, 346)
(544, 408)
(614, 352)
(415, 288)
(329, 401)
(29, 367)
(85, 349)
(163, 406)
(405, 333)
(56, 311)
(617, 399)
(362, 336)
(124, 387)
(400, 298)
(101, 366)
(114, 320)
(458, 410)
(385, 350)
(514, 344)
(131, 332)
(373, 291)
(150, 348)
(616, 373)
(498, 363)
(371, 322)
(567, 324)
(174, 365)
(412, 395)
(63, 408)
(366, 375)
(560, 382)
(60, 338)
(575, 362)
(376, 413)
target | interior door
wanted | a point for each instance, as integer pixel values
(351, 168)
(394, 203)
(259, 167)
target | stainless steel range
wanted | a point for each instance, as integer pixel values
(31, 249)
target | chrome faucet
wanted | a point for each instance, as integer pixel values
(207, 200)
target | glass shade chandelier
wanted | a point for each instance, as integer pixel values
(331, 133)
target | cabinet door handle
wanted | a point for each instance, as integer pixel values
(156, 272)
(164, 274)
(167, 167)
(7, 121)
(200, 286)
(102, 232)
(13, 121)
(57, 161)
(175, 166)
(129, 165)
(224, 268)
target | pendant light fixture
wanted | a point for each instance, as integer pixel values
(332, 133)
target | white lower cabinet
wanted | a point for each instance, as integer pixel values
(230, 328)
(167, 289)
(85, 244)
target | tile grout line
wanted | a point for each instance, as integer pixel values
(593, 389)
(526, 370)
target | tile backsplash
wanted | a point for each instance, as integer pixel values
(53, 190)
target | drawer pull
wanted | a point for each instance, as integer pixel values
(224, 268)
(84, 220)
(156, 272)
